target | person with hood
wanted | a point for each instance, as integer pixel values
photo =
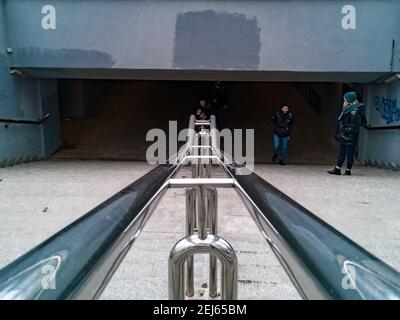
(347, 132)
(282, 121)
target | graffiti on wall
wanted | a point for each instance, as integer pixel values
(387, 109)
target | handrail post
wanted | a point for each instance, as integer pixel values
(191, 219)
(201, 209)
(194, 245)
(190, 226)
(212, 212)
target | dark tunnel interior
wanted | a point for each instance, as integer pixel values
(112, 118)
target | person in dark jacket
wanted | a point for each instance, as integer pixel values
(203, 111)
(347, 132)
(218, 99)
(283, 122)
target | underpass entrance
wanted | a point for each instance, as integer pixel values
(115, 126)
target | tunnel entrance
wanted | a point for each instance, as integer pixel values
(113, 125)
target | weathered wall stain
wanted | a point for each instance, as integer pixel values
(42, 57)
(216, 40)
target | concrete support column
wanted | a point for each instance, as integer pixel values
(25, 99)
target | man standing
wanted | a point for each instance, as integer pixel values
(348, 129)
(218, 99)
(283, 121)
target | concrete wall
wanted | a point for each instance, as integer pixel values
(382, 147)
(272, 36)
(25, 99)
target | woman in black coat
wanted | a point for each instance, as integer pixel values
(348, 130)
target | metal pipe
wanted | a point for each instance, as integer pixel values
(201, 205)
(202, 123)
(83, 256)
(194, 245)
(212, 212)
(321, 262)
(204, 153)
(190, 140)
(202, 157)
(201, 211)
(383, 128)
(207, 153)
(201, 182)
(214, 133)
(81, 269)
(20, 121)
(190, 220)
(194, 152)
(191, 216)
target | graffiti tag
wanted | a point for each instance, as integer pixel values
(387, 108)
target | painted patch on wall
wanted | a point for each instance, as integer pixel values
(216, 40)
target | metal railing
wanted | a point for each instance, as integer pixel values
(201, 225)
(214, 245)
(321, 262)
(382, 127)
(21, 121)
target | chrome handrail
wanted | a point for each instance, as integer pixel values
(321, 262)
(193, 244)
(81, 258)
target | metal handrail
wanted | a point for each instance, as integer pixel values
(82, 257)
(382, 127)
(321, 262)
(15, 121)
(213, 244)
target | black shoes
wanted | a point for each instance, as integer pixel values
(335, 170)
(275, 157)
(338, 172)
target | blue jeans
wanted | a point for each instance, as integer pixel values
(343, 151)
(285, 143)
